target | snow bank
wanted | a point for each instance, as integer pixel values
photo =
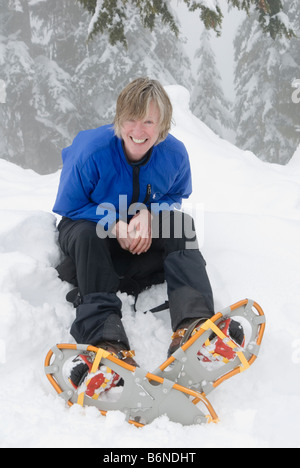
(247, 214)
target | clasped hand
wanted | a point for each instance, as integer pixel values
(136, 237)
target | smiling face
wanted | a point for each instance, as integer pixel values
(141, 134)
(143, 117)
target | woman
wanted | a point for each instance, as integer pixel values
(119, 194)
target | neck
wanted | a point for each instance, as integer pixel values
(137, 161)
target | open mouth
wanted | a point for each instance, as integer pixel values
(138, 142)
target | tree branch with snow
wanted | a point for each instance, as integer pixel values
(110, 16)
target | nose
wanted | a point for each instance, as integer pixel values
(138, 128)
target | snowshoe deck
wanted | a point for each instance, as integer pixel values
(178, 388)
(187, 367)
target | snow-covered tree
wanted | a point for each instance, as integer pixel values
(111, 16)
(17, 70)
(58, 30)
(39, 109)
(58, 85)
(208, 101)
(265, 114)
(154, 54)
(291, 74)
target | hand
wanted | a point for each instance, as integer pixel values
(120, 230)
(139, 229)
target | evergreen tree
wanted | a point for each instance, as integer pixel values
(58, 85)
(111, 16)
(17, 70)
(40, 96)
(58, 28)
(154, 54)
(208, 101)
(59, 31)
(291, 72)
(265, 114)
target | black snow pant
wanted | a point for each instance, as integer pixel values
(98, 316)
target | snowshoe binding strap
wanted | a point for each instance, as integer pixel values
(143, 397)
(201, 364)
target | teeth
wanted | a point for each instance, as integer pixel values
(138, 141)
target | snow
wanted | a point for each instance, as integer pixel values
(95, 16)
(211, 4)
(2, 90)
(248, 217)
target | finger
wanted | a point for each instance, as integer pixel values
(134, 244)
(124, 243)
(143, 246)
(138, 246)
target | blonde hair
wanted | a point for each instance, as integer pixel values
(133, 104)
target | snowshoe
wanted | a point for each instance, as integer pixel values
(212, 351)
(143, 396)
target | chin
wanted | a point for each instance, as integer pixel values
(136, 153)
